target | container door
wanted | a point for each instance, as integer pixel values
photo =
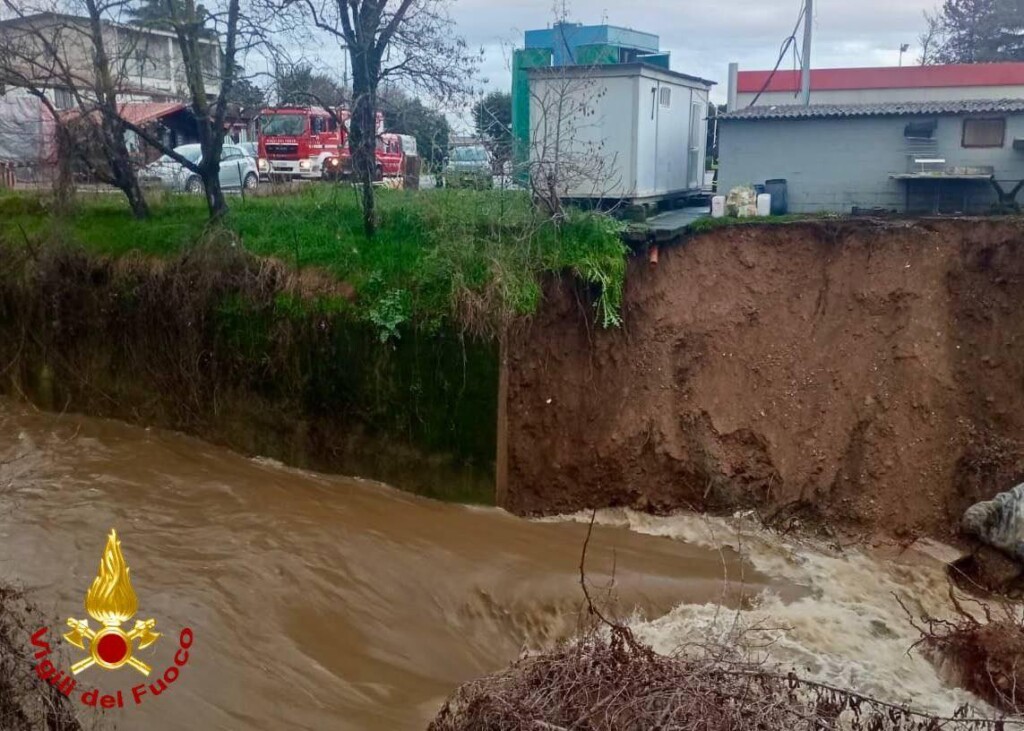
(647, 139)
(698, 111)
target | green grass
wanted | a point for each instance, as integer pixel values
(471, 255)
(703, 225)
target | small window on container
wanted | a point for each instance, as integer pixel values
(923, 129)
(989, 132)
(666, 96)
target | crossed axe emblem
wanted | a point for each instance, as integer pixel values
(111, 647)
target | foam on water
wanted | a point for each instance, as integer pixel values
(848, 630)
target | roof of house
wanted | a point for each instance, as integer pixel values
(617, 69)
(904, 77)
(884, 109)
(137, 113)
(141, 113)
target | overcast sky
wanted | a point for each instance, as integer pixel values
(705, 36)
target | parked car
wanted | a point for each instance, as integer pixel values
(237, 170)
(253, 150)
(469, 167)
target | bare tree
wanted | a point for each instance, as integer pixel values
(567, 153)
(212, 40)
(45, 52)
(931, 40)
(204, 63)
(406, 41)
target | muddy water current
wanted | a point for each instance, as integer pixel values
(325, 602)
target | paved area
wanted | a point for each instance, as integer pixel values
(670, 224)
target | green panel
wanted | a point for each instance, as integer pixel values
(521, 61)
(656, 59)
(597, 55)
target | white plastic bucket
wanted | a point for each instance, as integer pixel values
(764, 204)
(718, 206)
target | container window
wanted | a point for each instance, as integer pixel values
(666, 96)
(984, 132)
(921, 129)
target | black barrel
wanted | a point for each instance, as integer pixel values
(778, 189)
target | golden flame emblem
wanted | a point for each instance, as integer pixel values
(111, 601)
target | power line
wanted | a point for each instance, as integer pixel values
(786, 44)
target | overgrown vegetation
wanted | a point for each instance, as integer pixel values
(26, 702)
(472, 260)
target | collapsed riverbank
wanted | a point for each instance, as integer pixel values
(864, 375)
(857, 374)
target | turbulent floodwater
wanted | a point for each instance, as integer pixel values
(324, 602)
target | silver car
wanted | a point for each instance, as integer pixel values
(237, 170)
(469, 167)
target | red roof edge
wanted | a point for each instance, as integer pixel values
(906, 77)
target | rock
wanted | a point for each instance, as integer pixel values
(999, 522)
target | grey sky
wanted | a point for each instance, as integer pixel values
(705, 36)
(702, 36)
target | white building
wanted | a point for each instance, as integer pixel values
(631, 131)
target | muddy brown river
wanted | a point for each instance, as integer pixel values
(315, 601)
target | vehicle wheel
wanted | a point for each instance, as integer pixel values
(378, 173)
(251, 181)
(194, 185)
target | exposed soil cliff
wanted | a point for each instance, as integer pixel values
(871, 374)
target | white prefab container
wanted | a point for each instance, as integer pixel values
(630, 132)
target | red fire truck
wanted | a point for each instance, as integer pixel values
(308, 142)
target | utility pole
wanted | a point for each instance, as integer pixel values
(805, 76)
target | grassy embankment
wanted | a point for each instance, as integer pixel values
(287, 333)
(472, 259)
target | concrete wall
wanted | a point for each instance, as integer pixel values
(876, 96)
(835, 164)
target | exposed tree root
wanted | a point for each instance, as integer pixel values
(987, 650)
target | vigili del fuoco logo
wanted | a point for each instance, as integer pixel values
(111, 601)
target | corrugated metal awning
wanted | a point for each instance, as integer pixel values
(886, 109)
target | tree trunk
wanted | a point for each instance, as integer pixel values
(122, 171)
(363, 133)
(215, 201)
(64, 182)
(137, 201)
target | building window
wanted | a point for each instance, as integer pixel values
(921, 129)
(984, 132)
(666, 96)
(62, 99)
